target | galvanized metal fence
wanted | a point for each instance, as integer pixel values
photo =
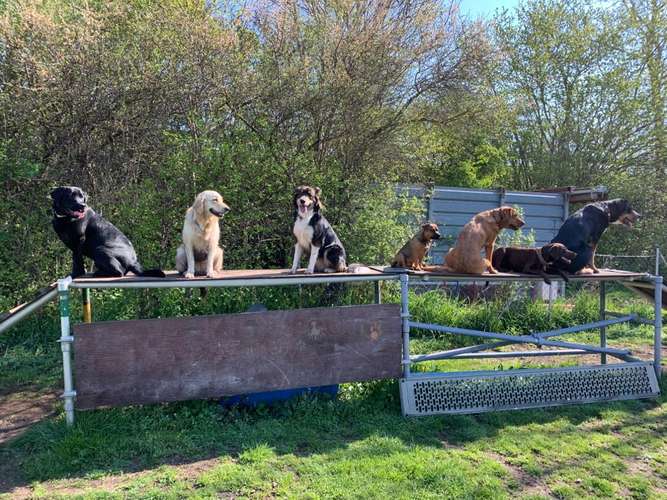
(654, 263)
(452, 208)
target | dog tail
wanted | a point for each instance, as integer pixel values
(147, 273)
(154, 273)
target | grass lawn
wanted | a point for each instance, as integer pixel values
(357, 446)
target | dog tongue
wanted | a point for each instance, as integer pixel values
(302, 209)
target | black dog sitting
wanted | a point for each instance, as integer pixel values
(533, 260)
(582, 231)
(87, 233)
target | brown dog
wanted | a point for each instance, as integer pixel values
(477, 235)
(532, 260)
(411, 256)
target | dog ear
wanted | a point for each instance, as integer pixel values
(318, 205)
(198, 205)
(509, 212)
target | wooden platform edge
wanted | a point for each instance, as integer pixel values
(646, 290)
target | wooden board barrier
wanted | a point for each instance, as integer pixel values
(158, 360)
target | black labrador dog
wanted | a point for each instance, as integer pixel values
(87, 233)
(582, 231)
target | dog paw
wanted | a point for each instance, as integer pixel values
(310, 271)
(189, 275)
(292, 271)
(212, 274)
(492, 271)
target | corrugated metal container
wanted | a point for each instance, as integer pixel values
(452, 208)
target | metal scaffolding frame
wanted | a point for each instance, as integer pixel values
(643, 376)
(432, 393)
(65, 285)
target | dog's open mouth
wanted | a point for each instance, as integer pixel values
(629, 219)
(303, 209)
(626, 222)
(77, 214)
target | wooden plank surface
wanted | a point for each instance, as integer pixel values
(647, 291)
(148, 361)
(229, 274)
(441, 273)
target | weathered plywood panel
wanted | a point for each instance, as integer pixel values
(148, 361)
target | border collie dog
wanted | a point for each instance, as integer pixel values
(315, 235)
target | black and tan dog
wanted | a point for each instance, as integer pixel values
(89, 234)
(582, 231)
(532, 260)
(411, 255)
(314, 235)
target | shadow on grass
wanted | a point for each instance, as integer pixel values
(139, 438)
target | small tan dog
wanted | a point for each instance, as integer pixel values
(200, 254)
(477, 235)
(411, 255)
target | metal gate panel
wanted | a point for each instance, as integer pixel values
(477, 392)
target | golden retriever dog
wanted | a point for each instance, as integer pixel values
(411, 255)
(477, 235)
(200, 253)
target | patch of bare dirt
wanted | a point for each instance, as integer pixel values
(528, 485)
(20, 410)
(185, 472)
(644, 352)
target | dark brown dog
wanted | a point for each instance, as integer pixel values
(533, 260)
(411, 256)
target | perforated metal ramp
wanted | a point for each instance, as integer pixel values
(477, 392)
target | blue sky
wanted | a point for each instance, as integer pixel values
(475, 8)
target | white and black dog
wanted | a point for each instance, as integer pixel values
(315, 235)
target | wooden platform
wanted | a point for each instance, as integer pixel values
(251, 277)
(646, 289)
(232, 278)
(443, 275)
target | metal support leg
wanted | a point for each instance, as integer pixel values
(66, 346)
(657, 261)
(603, 329)
(87, 306)
(657, 336)
(405, 317)
(378, 292)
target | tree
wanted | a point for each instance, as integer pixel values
(340, 79)
(648, 24)
(573, 90)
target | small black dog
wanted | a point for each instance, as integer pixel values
(87, 233)
(582, 231)
(314, 235)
